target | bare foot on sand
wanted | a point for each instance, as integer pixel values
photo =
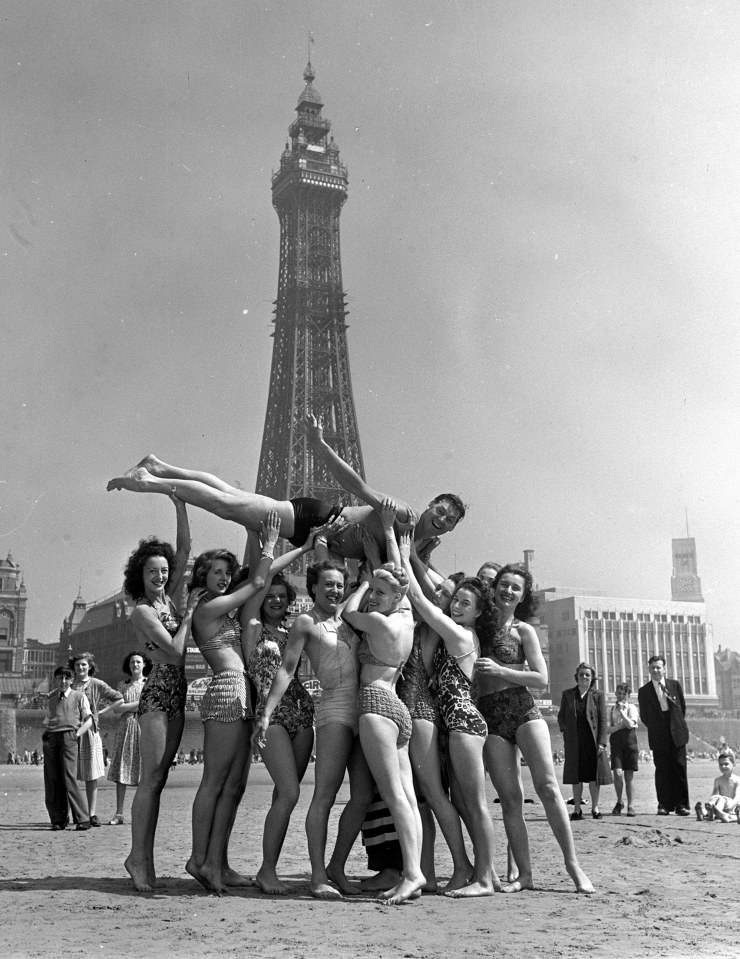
(579, 877)
(212, 877)
(322, 890)
(269, 883)
(406, 889)
(343, 884)
(139, 875)
(382, 881)
(473, 889)
(458, 880)
(192, 870)
(518, 885)
(230, 877)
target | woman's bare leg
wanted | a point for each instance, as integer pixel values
(534, 741)
(378, 736)
(502, 763)
(160, 738)
(334, 744)
(225, 754)
(424, 754)
(361, 791)
(286, 762)
(466, 752)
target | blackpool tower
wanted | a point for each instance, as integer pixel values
(310, 363)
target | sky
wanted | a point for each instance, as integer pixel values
(539, 249)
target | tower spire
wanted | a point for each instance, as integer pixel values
(310, 360)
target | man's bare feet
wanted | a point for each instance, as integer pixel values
(473, 889)
(382, 881)
(139, 875)
(406, 889)
(458, 880)
(582, 882)
(269, 883)
(322, 890)
(230, 877)
(337, 876)
(518, 885)
(151, 464)
(132, 480)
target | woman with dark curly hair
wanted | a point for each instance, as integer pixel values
(511, 663)
(153, 574)
(91, 764)
(472, 619)
(125, 765)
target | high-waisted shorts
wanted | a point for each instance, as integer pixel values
(378, 699)
(227, 698)
(338, 705)
(165, 691)
(309, 512)
(507, 710)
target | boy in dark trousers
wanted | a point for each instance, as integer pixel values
(68, 717)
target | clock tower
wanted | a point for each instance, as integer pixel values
(685, 582)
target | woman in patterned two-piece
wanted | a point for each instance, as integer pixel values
(153, 574)
(226, 708)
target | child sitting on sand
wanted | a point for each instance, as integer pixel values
(724, 803)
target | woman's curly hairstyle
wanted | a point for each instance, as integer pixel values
(77, 656)
(126, 666)
(395, 576)
(594, 674)
(528, 604)
(203, 563)
(487, 622)
(279, 580)
(133, 574)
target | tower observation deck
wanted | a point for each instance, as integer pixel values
(310, 362)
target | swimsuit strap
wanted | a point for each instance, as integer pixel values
(476, 649)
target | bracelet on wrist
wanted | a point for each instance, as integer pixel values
(265, 555)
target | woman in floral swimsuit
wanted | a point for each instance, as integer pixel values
(153, 574)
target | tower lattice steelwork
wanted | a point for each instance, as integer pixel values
(310, 362)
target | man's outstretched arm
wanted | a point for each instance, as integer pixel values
(343, 473)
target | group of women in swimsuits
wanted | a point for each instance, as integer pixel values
(464, 662)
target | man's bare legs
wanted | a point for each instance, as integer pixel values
(160, 738)
(205, 491)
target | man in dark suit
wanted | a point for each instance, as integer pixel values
(662, 710)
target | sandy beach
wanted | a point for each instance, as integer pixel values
(665, 887)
